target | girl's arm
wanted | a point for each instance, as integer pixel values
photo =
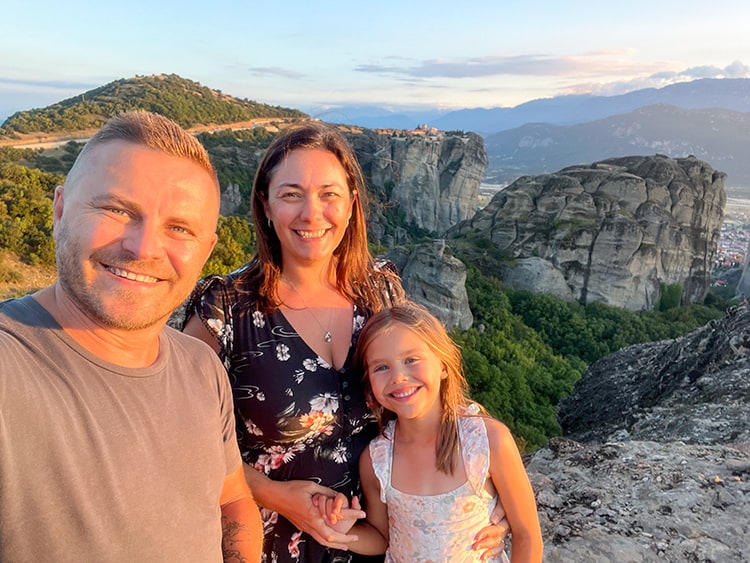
(514, 491)
(373, 532)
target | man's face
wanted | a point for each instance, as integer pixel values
(133, 228)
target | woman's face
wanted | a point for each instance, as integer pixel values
(310, 204)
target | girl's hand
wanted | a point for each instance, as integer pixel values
(491, 538)
(337, 513)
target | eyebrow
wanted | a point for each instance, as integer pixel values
(406, 353)
(299, 186)
(109, 199)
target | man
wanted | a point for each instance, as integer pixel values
(117, 438)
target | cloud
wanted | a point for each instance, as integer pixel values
(609, 63)
(736, 69)
(276, 71)
(36, 85)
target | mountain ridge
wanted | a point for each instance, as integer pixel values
(185, 101)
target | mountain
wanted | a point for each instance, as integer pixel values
(187, 102)
(727, 93)
(718, 136)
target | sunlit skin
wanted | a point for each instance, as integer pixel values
(309, 203)
(133, 228)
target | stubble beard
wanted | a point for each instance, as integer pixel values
(131, 312)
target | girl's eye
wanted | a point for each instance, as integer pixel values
(410, 360)
(381, 367)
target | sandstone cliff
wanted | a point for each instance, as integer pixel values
(434, 278)
(432, 177)
(614, 231)
(655, 465)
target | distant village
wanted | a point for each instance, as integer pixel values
(735, 235)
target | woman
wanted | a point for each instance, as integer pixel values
(285, 326)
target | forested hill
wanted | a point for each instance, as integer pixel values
(185, 101)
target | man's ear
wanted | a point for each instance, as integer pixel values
(57, 208)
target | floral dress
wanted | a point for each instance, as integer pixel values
(442, 527)
(297, 417)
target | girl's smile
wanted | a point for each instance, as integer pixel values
(405, 374)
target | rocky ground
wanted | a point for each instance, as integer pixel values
(18, 279)
(655, 465)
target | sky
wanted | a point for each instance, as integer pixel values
(397, 54)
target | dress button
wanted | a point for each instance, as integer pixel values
(347, 397)
(345, 384)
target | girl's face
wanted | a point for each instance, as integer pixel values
(404, 374)
(310, 204)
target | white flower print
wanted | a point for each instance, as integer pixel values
(294, 545)
(339, 454)
(327, 403)
(310, 364)
(299, 376)
(216, 325)
(258, 320)
(359, 322)
(282, 352)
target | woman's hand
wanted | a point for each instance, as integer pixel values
(294, 501)
(491, 539)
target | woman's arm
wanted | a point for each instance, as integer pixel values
(294, 501)
(194, 327)
(515, 493)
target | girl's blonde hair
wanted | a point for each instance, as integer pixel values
(454, 389)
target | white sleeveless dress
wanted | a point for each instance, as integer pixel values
(437, 528)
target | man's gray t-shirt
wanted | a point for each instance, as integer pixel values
(104, 463)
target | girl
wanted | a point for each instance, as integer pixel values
(434, 474)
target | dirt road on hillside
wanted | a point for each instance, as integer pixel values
(50, 140)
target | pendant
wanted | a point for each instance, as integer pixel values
(328, 336)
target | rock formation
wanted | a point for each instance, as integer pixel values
(432, 177)
(434, 278)
(617, 230)
(655, 463)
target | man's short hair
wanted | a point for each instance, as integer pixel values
(153, 131)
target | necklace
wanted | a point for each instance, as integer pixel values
(327, 336)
